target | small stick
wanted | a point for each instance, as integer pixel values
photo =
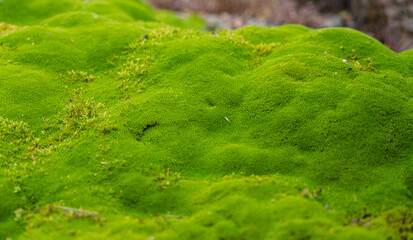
(167, 173)
(227, 119)
(78, 210)
(174, 216)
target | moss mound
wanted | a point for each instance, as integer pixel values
(171, 133)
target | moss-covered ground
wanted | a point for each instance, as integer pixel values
(121, 122)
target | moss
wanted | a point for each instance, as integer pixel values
(29, 94)
(190, 21)
(171, 133)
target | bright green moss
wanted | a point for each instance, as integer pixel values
(191, 21)
(407, 56)
(24, 12)
(29, 94)
(282, 34)
(70, 13)
(165, 133)
(76, 19)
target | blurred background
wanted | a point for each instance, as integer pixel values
(389, 21)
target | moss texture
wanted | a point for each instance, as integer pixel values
(163, 131)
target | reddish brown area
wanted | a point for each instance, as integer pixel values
(389, 21)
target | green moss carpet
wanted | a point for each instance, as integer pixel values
(121, 122)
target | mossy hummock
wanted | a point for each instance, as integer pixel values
(118, 121)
